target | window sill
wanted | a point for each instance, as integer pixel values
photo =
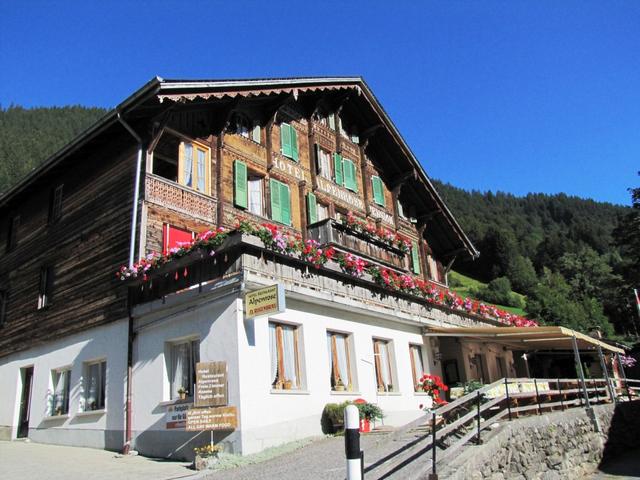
(389, 394)
(177, 401)
(53, 418)
(421, 394)
(346, 392)
(289, 392)
(91, 413)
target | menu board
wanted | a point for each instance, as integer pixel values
(219, 418)
(211, 384)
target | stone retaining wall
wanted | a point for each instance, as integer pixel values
(560, 445)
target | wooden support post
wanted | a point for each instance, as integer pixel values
(434, 426)
(535, 383)
(603, 364)
(478, 418)
(506, 390)
(576, 354)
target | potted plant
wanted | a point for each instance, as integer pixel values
(182, 392)
(339, 386)
(288, 384)
(433, 386)
(206, 456)
(368, 412)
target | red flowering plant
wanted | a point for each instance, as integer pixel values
(381, 234)
(312, 253)
(352, 264)
(433, 386)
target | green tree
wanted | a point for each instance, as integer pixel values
(522, 274)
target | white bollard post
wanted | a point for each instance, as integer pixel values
(352, 442)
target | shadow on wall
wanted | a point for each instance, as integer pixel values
(621, 448)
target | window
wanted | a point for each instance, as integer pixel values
(4, 297)
(285, 364)
(60, 381)
(183, 161)
(55, 205)
(384, 377)
(400, 209)
(12, 232)
(182, 370)
(245, 129)
(289, 141)
(378, 190)
(417, 366)
(340, 361)
(323, 212)
(95, 385)
(280, 202)
(415, 257)
(345, 172)
(434, 271)
(174, 237)
(255, 195)
(45, 290)
(323, 162)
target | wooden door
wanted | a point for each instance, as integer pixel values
(25, 402)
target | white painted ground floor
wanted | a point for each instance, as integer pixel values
(282, 371)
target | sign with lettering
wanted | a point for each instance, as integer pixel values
(384, 216)
(176, 416)
(265, 301)
(289, 168)
(211, 384)
(216, 418)
(340, 193)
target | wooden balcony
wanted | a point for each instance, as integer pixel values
(171, 195)
(331, 232)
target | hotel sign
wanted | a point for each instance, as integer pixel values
(211, 384)
(340, 193)
(265, 301)
(217, 418)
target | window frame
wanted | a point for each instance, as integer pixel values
(279, 381)
(334, 364)
(12, 233)
(392, 386)
(45, 287)
(101, 405)
(67, 391)
(325, 171)
(255, 179)
(193, 344)
(414, 371)
(55, 204)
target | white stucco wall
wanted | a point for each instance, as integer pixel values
(100, 430)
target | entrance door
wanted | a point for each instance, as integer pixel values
(25, 402)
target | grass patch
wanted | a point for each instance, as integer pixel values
(465, 286)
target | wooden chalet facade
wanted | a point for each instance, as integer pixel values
(177, 158)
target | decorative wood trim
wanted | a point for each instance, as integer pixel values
(423, 252)
(366, 179)
(302, 202)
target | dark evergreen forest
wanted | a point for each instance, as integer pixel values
(576, 260)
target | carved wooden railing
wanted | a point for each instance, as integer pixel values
(330, 232)
(171, 195)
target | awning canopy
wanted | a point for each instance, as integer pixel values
(525, 338)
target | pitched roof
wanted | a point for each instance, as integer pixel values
(444, 228)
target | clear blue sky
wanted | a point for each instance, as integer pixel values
(513, 96)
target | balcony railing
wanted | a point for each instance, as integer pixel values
(334, 233)
(171, 195)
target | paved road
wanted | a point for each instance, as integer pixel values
(28, 460)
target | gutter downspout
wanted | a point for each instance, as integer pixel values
(130, 336)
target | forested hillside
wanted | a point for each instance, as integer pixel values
(29, 136)
(566, 254)
(575, 260)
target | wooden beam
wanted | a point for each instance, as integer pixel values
(369, 132)
(401, 180)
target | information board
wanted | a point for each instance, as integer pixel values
(211, 384)
(217, 418)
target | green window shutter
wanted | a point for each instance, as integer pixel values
(285, 204)
(276, 206)
(255, 134)
(294, 143)
(312, 208)
(240, 184)
(350, 175)
(415, 257)
(285, 139)
(378, 192)
(337, 164)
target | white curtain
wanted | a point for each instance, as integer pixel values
(188, 164)
(255, 196)
(201, 167)
(343, 363)
(289, 355)
(94, 393)
(180, 368)
(417, 362)
(273, 349)
(60, 392)
(384, 365)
